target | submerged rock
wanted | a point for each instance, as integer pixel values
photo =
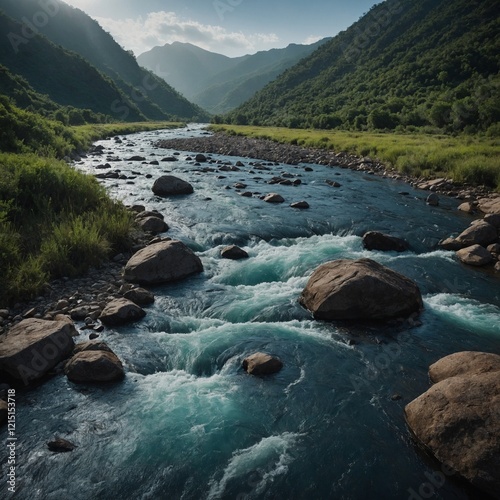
(360, 290)
(233, 252)
(300, 204)
(162, 262)
(262, 364)
(169, 185)
(34, 346)
(94, 366)
(457, 419)
(373, 240)
(60, 445)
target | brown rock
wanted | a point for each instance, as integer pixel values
(478, 233)
(467, 207)
(140, 296)
(493, 219)
(464, 363)
(457, 419)
(234, 252)
(374, 240)
(120, 312)
(450, 244)
(153, 225)
(273, 198)
(34, 346)
(475, 255)
(91, 346)
(162, 262)
(169, 185)
(60, 445)
(359, 290)
(300, 204)
(262, 364)
(94, 366)
(490, 205)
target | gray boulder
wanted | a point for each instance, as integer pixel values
(94, 366)
(34, 346)
(262, 364)
(169, 185)
(121, 311)
(153, 225)
(457, 419)
(373, 240)
(162, 262)
(273, 198)
(300, 204)
(360, 290)
(140, 296)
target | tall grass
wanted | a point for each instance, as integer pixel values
(54, 222)
(471, 159)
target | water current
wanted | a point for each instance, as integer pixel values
(188, 423)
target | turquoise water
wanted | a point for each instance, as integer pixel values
(188, 423)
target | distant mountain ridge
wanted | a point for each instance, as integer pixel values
(405, 64)
(141, 93)
(216, 82)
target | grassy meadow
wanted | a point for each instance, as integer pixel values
(465, 158)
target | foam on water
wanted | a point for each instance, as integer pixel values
(466, 313)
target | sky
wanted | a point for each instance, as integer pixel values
(229, 27)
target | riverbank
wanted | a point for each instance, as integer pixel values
(265, 149)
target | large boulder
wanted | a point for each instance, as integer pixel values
(169, 185)
(152, 224)
(94, 366)
(373, 240)
(490, 205)
(360, 290)
(475, 255)
(478, 233)
(458, 419)
(262, 364)
(121, 311)
(162, 262)
(34, 346)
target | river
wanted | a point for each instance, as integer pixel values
(188, 423)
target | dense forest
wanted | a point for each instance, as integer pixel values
(431, 65)
(74, 62)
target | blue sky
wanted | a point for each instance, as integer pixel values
(230, 27)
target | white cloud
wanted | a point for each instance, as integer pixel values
(312, 39)
(158, 28)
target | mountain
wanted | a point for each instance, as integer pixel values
(75, 31)
(405, 64)
(216, 82)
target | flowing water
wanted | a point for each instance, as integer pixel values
(188, 423)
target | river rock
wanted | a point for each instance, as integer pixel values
(169, 185)
(162, 262)
(475, 255)
(262, 364)
(60, 445)
(94, 366)
(458, 419)
(34, 346)
(374, 240)
(450, 244)
(464, 363)
(91, 346)
(493, 219)
(153, 225)
(360, 290)
(234, 252)
(300, 204)
(490, 205)
(140, 296)
(467, 207)
(478, 233)
(273, 198)
(121, 311)
(200, 158)
(432, 200)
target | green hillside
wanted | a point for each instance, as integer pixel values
(216, 82)
(431, 65)
(75, 31)
(77, 84)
